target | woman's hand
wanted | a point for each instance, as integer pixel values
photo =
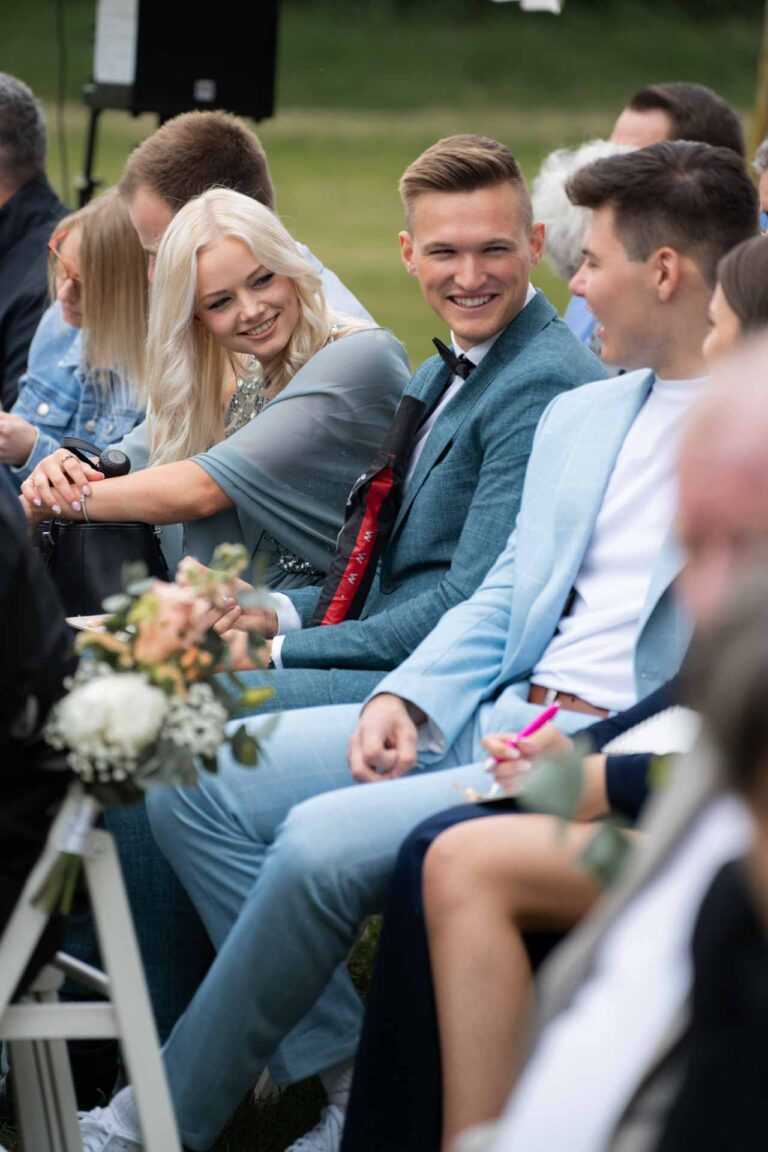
(59, 482)
(34, 515)
(511, 761)
(17, 439)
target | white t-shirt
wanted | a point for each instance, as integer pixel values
(592, 653)
(288, 619)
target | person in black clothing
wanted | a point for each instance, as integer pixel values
(35, 655)
(29, 209)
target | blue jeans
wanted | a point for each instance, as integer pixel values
(284, 862)
(312, 687)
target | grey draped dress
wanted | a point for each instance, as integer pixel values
(288, 471)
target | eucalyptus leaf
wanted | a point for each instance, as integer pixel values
(245, 748)
(253, 698)
(606, 854)
(132, 572)
(259, 571)
(229, 558)
(257, 598)
(118, 603)
(554, 785)
(136, 588)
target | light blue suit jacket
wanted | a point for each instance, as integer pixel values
(485, 646)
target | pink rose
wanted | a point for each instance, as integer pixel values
(168, 619)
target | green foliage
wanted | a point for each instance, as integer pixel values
(555, 787)
(385, 54)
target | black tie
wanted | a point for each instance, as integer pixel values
(459, 365)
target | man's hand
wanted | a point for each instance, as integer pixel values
(17, 439)
(235, 615)
(383, 746)
(512, 761)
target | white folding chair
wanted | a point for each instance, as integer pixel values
(37, 1026)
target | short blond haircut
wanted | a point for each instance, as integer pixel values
(115, 291)
(463, 164)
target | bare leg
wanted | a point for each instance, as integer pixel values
(487, 882)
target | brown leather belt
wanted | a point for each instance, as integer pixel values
(538, 694)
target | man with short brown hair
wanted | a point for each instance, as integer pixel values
(192, 153)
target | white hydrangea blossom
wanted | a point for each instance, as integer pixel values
(106, 721)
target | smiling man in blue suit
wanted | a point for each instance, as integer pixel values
(579, 607)
(471, 242)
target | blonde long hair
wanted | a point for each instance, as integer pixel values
(114, 291)
(185, 366)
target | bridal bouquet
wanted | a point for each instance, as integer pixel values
(144, 707)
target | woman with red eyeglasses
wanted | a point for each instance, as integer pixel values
(85, 370)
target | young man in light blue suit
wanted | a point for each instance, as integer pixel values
(578, 607)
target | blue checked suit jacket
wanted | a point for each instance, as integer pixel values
(484, 647)
(461, 502)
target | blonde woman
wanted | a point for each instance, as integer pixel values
(264, 406)
(85, 370)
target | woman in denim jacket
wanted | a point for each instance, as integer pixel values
(85, 370)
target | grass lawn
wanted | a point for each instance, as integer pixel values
(363, 89)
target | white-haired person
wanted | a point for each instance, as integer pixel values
(566, 223)
(85, 373)
(760, 165)
(264, 406)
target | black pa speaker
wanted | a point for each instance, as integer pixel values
(162, 56)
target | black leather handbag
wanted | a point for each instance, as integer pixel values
(86, 560)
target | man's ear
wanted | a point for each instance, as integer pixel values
(667, 267)
(406, 252)
(537, 242)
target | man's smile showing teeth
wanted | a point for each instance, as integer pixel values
(471, 301)
(259, 329)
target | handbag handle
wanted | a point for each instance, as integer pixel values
(111, 461)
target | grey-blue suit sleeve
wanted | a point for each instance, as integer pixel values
(304, 601)
(387, 638)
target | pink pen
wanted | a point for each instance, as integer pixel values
(529, 729)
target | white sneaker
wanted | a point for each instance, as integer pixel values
(325, 1136)
(101, 1131)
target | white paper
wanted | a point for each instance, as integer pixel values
(553, 6)
(117, 31)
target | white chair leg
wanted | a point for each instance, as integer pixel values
(42, 1081)
(136, 1026)
(35, 1029)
